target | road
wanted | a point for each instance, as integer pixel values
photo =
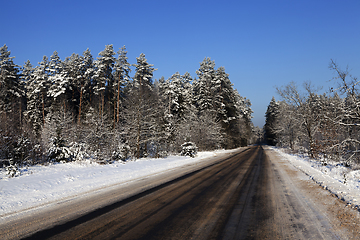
(246, 195)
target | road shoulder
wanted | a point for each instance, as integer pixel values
(343, 219)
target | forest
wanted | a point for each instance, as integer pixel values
(85, 108)
(323, 126)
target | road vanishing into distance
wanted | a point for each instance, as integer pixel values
(248, 194)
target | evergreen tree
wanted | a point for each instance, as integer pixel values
(104, 78)
(27, 71)
(86, 84)
(271, 115)
(203, 97)
(58, 83)
(243, 125)
(36, 94)
(140, 114)
(121, 78)
(11, 89)
(80, 71)
(225, 100)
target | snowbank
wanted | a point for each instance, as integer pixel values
(39, 185)
(334, 177)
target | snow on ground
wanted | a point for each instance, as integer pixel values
(39, 185)
(334, 177)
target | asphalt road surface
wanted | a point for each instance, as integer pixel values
(245, 195)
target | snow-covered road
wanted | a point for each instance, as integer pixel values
(41, 185)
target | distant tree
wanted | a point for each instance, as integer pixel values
(271, 117)
(242, 127)
(307, 113)
(349, 118)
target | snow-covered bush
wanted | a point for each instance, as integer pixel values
(12, 170)
(79, 151)
(188, 149)
(21, 149)
(121, 153)
(58, 152)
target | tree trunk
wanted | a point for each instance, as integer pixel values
(81, 93)
(114, 115)
(43, 107)
(138, 133)
(118, 101)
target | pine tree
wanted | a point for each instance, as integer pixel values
(103, 77)
(79, 72)
(225, 100)
(37, 89)
(58, 83)
(86, 87)
(243, 125)
(121, 78)
(140, 112)
(27, 71)
(11, 89)
(203, 97)
(271, 115)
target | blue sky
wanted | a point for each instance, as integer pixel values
(261, 44)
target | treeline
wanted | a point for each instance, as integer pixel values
(323, 126)
(81, 107)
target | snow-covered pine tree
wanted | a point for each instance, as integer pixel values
(11, 94)
(203, 98)
(86, 87)
(11, 89)
(79, 73)
(121, 78)
(187, 92)
(173, 94)
(73, 92)
(104, 78)
(35, 107)
(97, 136)
(271, 115)
(56, 134)
(168, 93)
(243, 124)
(26, 73)
(37, 91)
(224, 102)
(176, 97)
(140, 105)
(59, 83)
